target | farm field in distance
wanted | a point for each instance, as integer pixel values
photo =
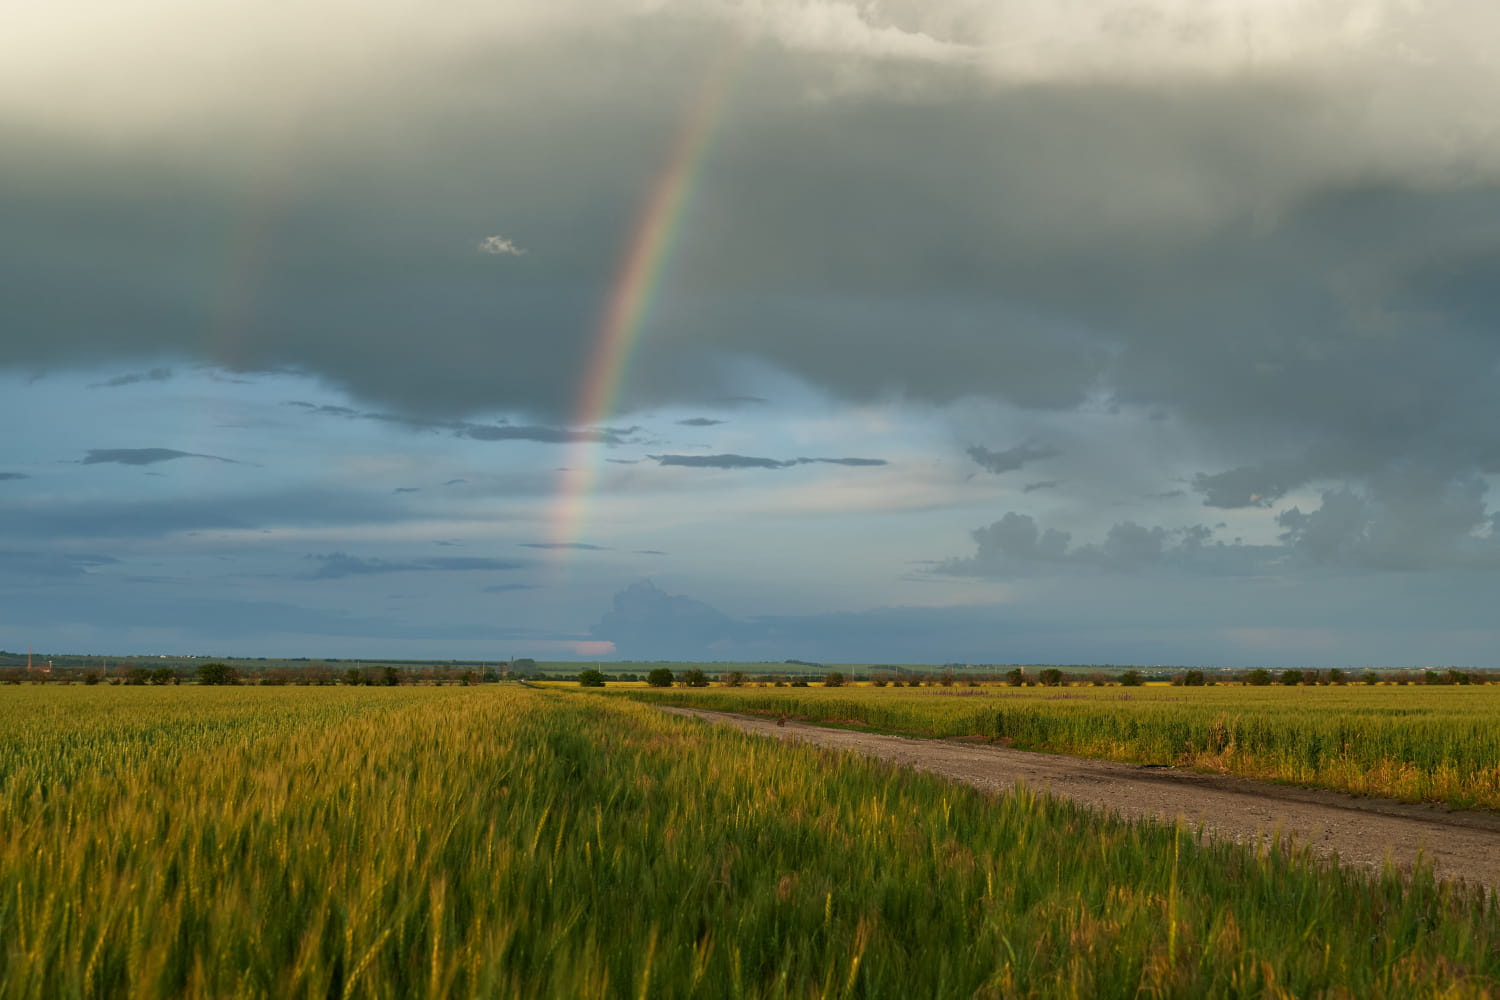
(1415, 743)
(502, 841)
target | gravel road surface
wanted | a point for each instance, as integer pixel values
(1359, 831)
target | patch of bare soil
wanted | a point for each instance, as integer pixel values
(1357, 831)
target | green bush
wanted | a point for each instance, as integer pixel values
(660, 677)
(590, 678)
(216, 674)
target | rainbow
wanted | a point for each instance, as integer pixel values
(630, 298)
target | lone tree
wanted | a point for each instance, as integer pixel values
(590, 678)
(660, 677)
(217, 674)
(833, 679)
(1052, 677)
(695, 678)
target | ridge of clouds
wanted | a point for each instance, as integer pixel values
(1011, 458)
(338, 565)
(145, 456)
(731, 461)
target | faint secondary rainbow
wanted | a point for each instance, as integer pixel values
(630, 299)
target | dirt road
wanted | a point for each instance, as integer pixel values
(1363, 832)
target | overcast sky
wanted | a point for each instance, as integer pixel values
(1120, 331)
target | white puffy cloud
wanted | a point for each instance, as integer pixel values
(499, 245)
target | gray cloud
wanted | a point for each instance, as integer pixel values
(81, 518)
(338, 565)
(1045, 484)
(327, 408)
(132, 378)
(545, 435)
(752, 462)
(1010, 459)
(578, 546)
(31, 565)
(1254, 485)
(144, 456)
(701, 422)
(1338, 297)
(1016, 545)
(1411, 524)
(8, 476)
(644, 616)
(407, 489)
(506, 588)
(501, 431)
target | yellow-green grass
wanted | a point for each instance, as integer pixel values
(1420, 743)
(422, 842)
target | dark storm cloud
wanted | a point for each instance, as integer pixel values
(133, 378)
(1010, 459)
(752, 462)
(1336, 299)
(143, 456)
(701, 422)
(338, 565)
(1045, 484)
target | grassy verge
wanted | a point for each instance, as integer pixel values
(508, 842)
